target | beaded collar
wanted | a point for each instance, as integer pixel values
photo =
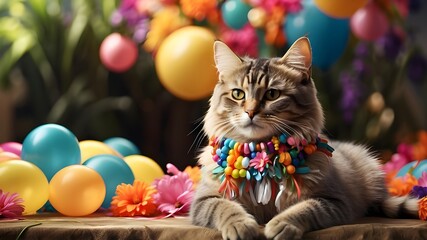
(264, 169)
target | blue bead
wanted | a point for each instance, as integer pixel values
(226, 142)
(231, 144)
(295, 162)
(252, 146)
(224, 164)
(218, 152)
(282, 138)
(223, 156)
(225, 149)
(253, 155)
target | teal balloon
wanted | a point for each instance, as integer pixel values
(122, 146)
(51, 147)
(113, 170)
(235, 13)
(328, 36)
(418, 171)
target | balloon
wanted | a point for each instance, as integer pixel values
(26, 179)
(369, 23)
(144, 168)
(339, 8)
(76, 191)
(328, 36)
(418, 171)
(51, 147)
(235, 13)
(185, 63)
(118, 53)
(5, 156)
(12, 147)
(122, 146)
(113, 170)
(90, 148)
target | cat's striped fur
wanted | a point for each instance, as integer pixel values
(338, 189)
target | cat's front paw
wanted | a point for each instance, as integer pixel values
(279, 230)
(243, 229)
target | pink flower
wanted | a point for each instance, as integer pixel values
(174, 193)
(422, 181)
(243, 41)
(260, 161)
(396, 162)
(11, 206)
(291, 6)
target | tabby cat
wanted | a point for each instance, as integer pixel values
(261, 112)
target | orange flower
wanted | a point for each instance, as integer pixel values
(134, 200)
(163, 23)
(200, 9)
(402, 186)
(422, 212)
(194, 174)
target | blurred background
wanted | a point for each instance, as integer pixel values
(369, 65)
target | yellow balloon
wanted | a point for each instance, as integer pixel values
(76, 190)
(185, 63)
(90, 148)
(144, 168)
(339, 8)
(26, 179)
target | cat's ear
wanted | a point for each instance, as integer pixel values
(225, 58)
(299, 54)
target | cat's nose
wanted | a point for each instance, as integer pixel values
(251, 113)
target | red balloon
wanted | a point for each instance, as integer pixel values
(118, 53)
(369, 23)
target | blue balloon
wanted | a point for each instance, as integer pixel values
(51, 147)
(328, 36)
(122, 146)
(113, 170)
(235, 13)
(418, 171)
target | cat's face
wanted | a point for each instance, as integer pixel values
(255, 99)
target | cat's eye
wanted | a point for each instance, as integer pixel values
(305, 81)
(272, 94)
(238, 94)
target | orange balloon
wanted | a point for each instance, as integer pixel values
(339, 8)
(76, 190)
(185, 63)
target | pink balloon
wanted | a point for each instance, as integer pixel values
(6, 156)
(369, 23)
(12, 147)
(118, 53)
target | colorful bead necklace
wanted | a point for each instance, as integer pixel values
(263, 168)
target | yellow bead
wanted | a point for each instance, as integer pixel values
(235, 173)
(228, 170)
(231, 159)
(238, 162)
(242, 173)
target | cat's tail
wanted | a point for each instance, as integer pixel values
(400, 207)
